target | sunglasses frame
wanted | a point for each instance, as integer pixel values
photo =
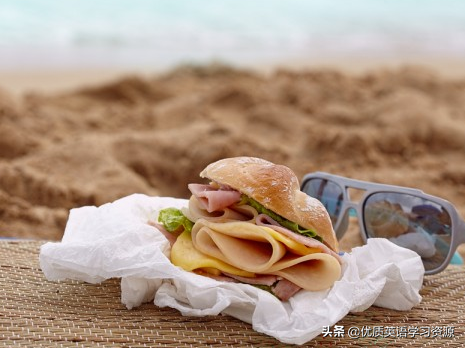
(369, 188)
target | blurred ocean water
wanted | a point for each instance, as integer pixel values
(145, 32)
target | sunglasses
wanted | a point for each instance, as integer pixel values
(408, 217)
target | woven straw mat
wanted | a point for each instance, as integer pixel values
(37, 313)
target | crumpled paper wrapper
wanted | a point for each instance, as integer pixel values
(114, 240)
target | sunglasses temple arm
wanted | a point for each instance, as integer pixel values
(461, 232)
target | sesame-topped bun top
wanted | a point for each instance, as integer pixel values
(277, 188)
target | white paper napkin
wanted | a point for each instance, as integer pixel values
(114, 240)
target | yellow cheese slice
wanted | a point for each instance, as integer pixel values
(184, 255)
(292, 245)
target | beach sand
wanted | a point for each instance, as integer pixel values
(71, 139)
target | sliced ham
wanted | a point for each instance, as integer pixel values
(171, 236)
(265, 220)
(232, 213)
(285, 289)
(214, 199)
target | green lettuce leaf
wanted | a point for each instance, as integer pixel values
(173, 219)
(279, 219)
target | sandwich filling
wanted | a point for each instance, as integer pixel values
(229, 236)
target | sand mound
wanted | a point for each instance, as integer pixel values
(153, 136)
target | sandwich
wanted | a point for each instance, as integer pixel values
(251, 224)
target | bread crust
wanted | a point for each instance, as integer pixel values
(277, 188)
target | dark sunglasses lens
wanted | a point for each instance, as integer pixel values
(411, 222)
(328, 193)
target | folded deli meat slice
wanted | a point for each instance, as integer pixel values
(262, 250)
(239, 213)
(213, 199)
(184, 255)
